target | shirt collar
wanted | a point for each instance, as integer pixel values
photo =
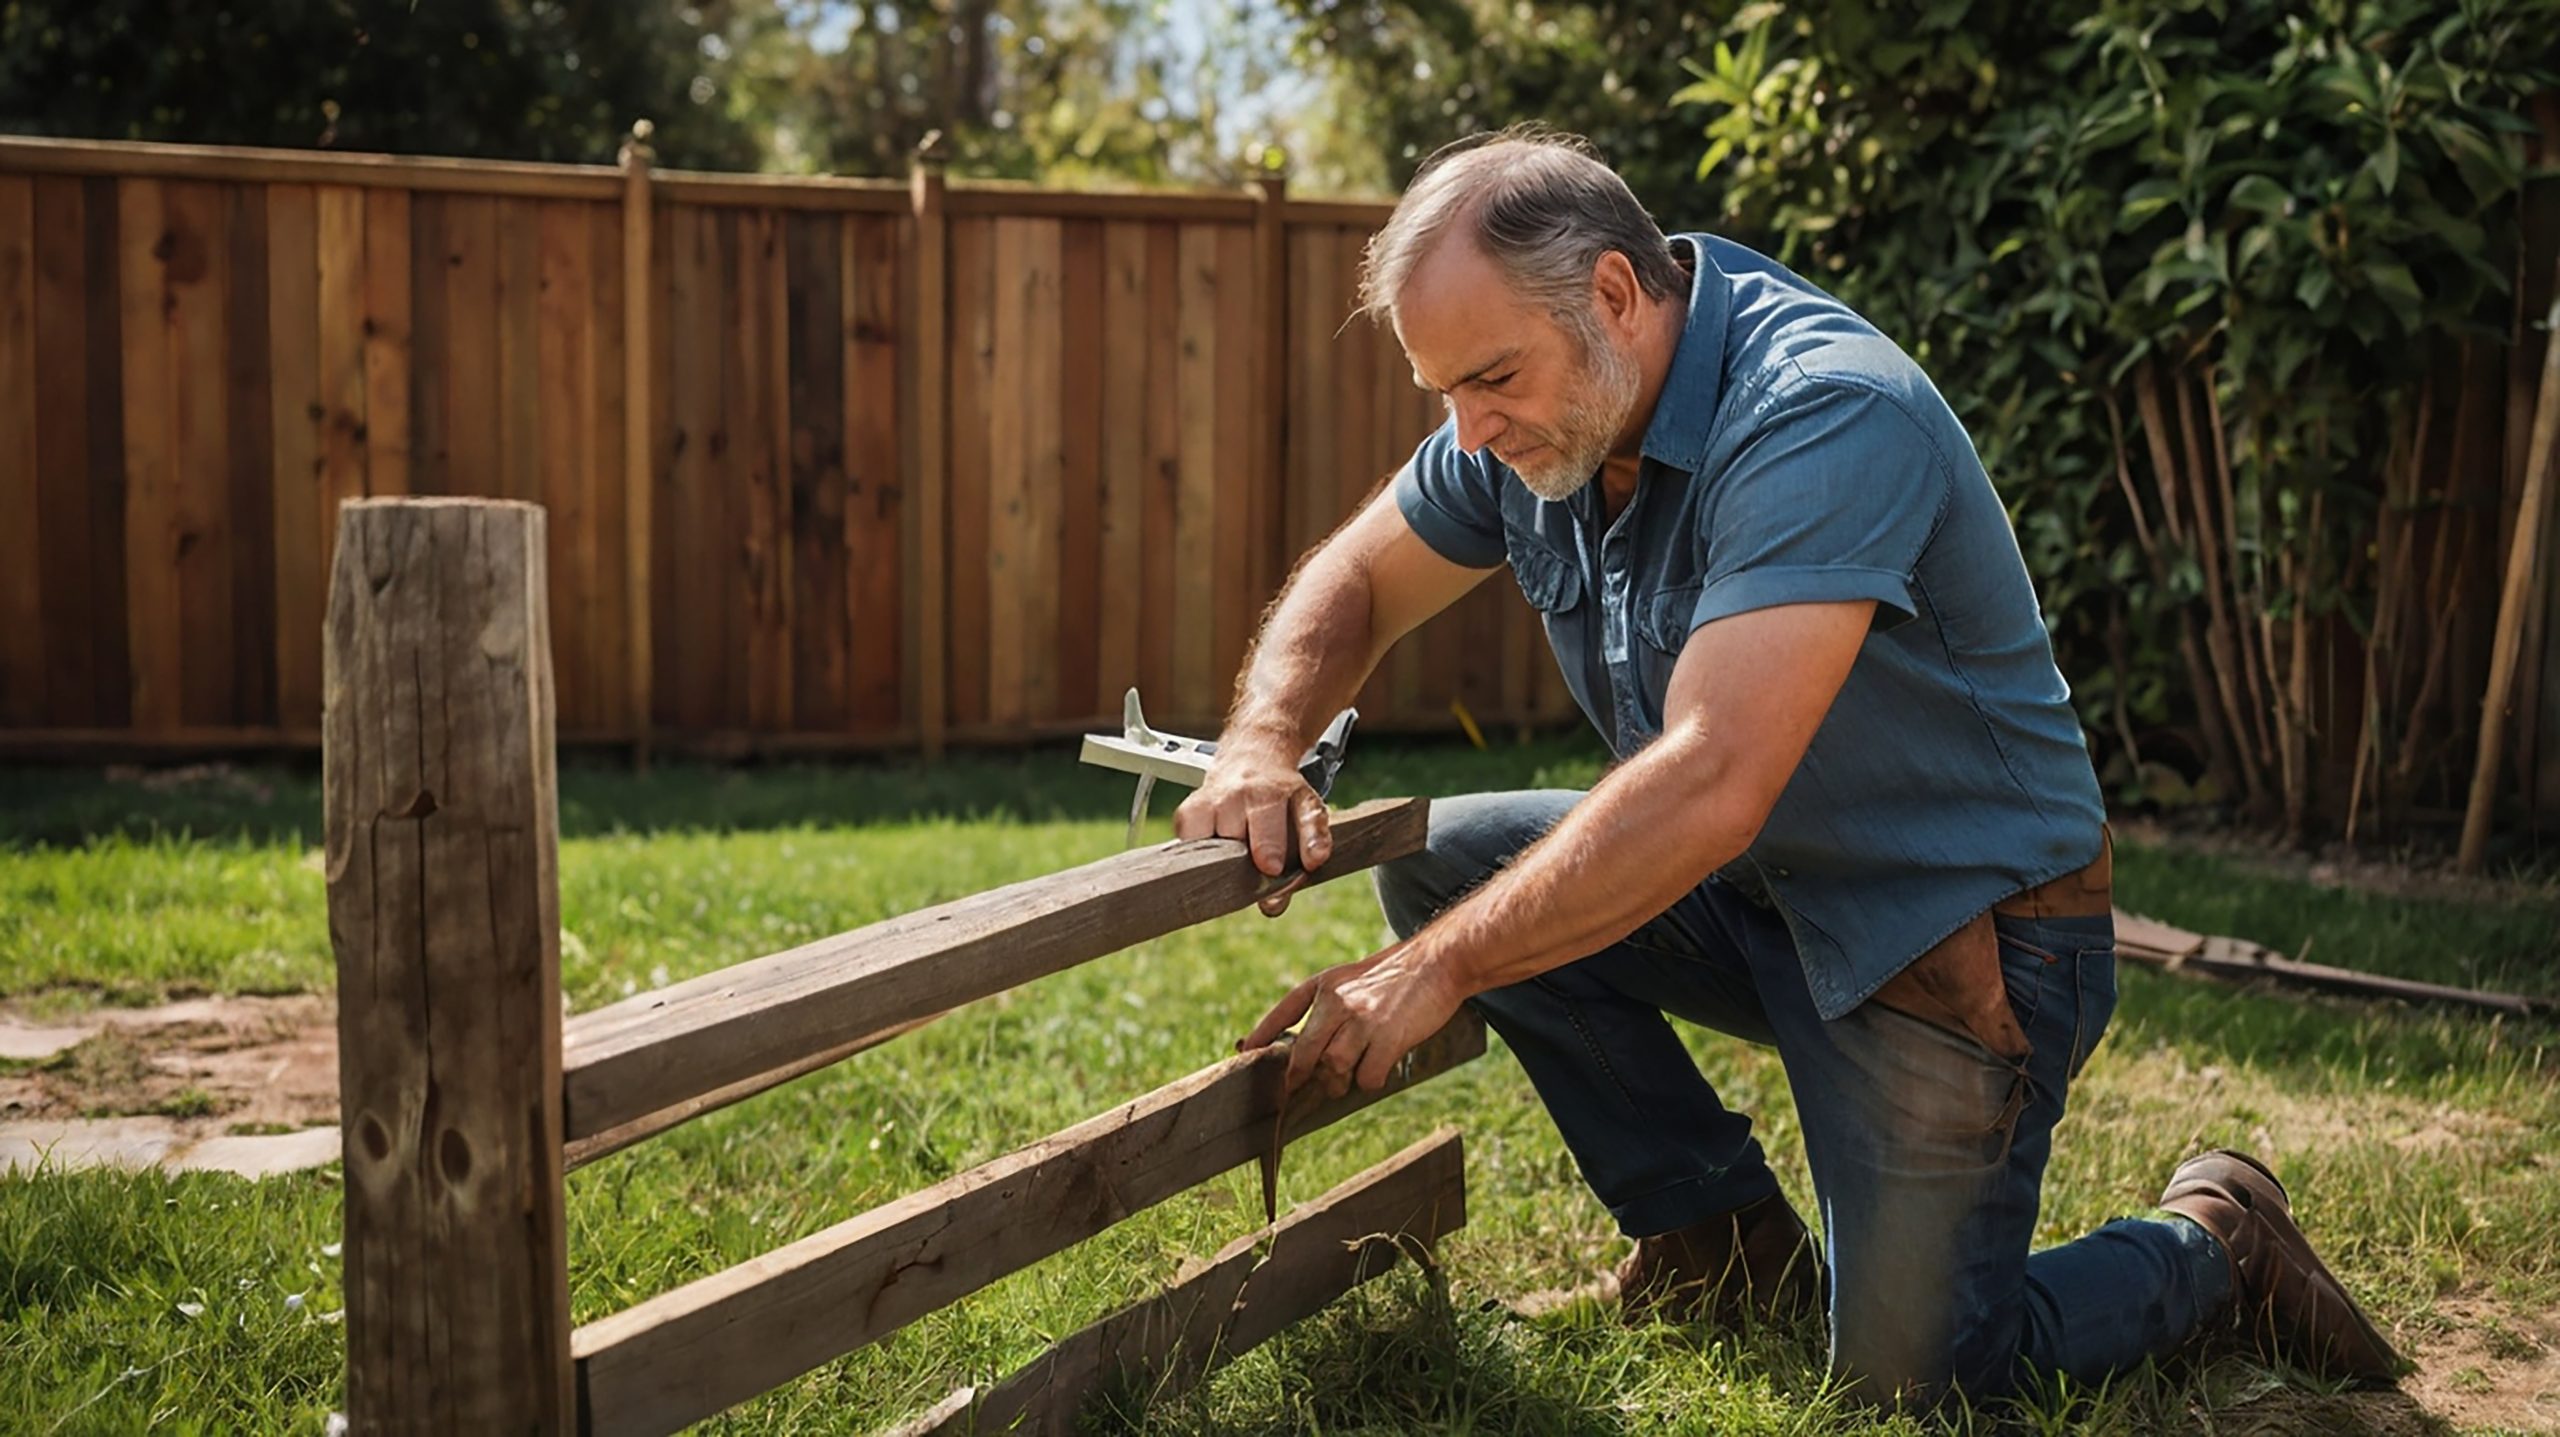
(1684, 413)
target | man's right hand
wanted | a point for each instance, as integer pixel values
(1260, 797)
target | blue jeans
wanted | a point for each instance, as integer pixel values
(1927, 1148)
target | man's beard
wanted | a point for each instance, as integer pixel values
(1594, 413)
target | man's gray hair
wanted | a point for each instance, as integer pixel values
(1540, 205)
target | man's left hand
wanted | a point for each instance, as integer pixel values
(1361, 1018)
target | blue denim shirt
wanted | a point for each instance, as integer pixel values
(1798, 456)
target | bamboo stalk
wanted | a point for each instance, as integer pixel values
(2217, 640)
(2532, 512)
(2217, 744)
(2257, 659)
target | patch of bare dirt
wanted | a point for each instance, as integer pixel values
(214, 1065)
(2490, 1366)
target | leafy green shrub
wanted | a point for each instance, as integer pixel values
(2188, 270)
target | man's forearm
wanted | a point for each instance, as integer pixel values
(1316, 647)
(1647, 833)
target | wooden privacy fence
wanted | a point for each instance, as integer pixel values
(829, 463)
(465, 1095)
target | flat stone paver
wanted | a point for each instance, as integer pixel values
(159, 1142)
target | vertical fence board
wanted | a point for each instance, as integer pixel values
(345, 395)
(299, 422)
(251, 471)
(877, 497)
(516, 316)
(822, 635)
(564, 445)
(110, 600)
(64, 476)
(1008, 461)
(1313, 508)
(1079, 594)
(696, 521)
(198, 270)
(972, 381)
(1242, 470)
(148, 402)
(22, 677)
(430, 346)
(1123, 458)
(667, 443)
(389, 273)
(1040, 529)
(474, 417)
(755, 472)
(1195, 537)
(1156, 560)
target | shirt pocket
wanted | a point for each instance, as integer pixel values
(1548, 580)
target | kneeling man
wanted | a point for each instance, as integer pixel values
(1854, 817)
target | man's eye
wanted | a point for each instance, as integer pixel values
(1500, 380)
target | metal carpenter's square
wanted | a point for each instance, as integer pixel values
(1152, 755)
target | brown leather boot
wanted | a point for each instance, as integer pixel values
(1756, 1262)
(2288, 1302)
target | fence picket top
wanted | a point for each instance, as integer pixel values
(655, 1050)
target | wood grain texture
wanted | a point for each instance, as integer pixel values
(471, 371)
(879, 524)
(692, 1352)
(64, 474)
(1240, 469)
(658, 1049)
(1195, 504)
(22, 628)
(110, 604)
(390, 272)
(1080, 369)
(563, 437)
(345, 394)
(629, 325)
(197, 275)
(430, 349)
(1123, 461)
(249, 475)
(1009, 463)
(149, 445)
(1219, 1310)
(516, 316)
(822, 636)
(299, 421)
(1042, 526)
(439, 793)
(972, 385)
(1157, 564)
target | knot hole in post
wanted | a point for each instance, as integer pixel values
(420, 805)
(376, 1138)
(455, 1151)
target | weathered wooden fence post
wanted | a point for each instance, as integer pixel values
(443, 872)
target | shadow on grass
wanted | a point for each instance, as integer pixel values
(280, 803)
(1392, 1357)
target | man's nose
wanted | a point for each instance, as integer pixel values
(1477, 425)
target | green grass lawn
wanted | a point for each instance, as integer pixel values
(2423, 1149)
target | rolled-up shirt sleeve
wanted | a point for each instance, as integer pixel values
(1453, 500)
(1832, 501)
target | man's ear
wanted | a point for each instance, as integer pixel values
(1615, 295)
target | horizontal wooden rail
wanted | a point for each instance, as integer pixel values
(1227, 1307)
(1368, 214)
(613, 1140)
(684, 1355)
(25, 155)
(658, 1050)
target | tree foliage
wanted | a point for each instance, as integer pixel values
(2187, 269)
(512, 79)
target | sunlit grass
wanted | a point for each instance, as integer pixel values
(2423, 1149)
